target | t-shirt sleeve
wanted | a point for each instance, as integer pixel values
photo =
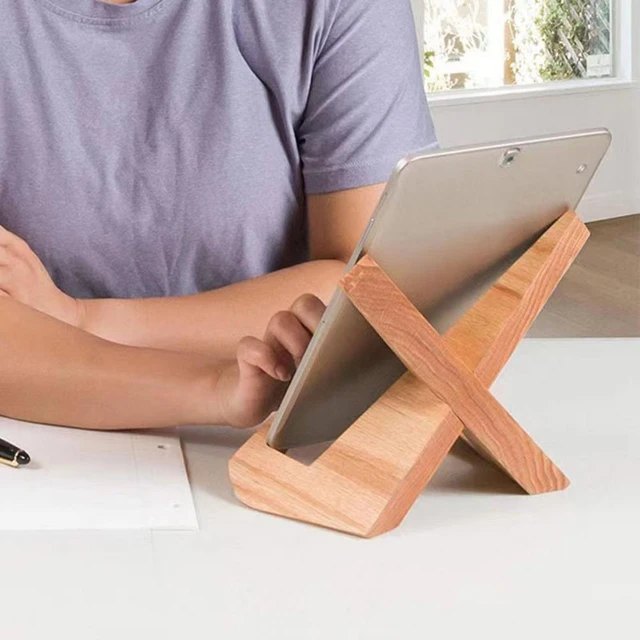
(366, 107)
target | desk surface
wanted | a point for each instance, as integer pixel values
(474, 554)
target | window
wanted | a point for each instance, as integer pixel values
(477, 44)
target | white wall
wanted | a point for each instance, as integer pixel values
(615, 190)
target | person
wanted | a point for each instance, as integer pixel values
(181, 185)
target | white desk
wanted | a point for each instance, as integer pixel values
(473, 556)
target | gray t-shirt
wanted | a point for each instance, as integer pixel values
(165, 147)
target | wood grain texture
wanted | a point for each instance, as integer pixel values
(365, 483)
(425, 353)
(509, 309)
(367, 480)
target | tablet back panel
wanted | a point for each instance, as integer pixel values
(448, 224)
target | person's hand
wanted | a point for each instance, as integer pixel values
(24, 278)
(253, 386)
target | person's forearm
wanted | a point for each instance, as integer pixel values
(209, 323)
(53, 373)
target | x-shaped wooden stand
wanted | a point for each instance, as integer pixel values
(367, 480)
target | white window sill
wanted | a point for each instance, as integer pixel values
(547, 90)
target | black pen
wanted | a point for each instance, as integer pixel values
(11, 455)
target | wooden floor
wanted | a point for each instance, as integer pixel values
(600, 295)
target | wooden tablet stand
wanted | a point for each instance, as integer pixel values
(367, 480)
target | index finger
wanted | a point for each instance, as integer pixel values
(309, 309)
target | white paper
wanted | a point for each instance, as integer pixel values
(81, 479)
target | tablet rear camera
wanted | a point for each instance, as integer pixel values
(509, 157)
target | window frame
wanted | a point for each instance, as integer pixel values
(626, 52)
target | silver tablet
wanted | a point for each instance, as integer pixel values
(448, 223)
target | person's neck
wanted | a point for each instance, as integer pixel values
(118, 1)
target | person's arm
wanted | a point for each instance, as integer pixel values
(213, 322)
(53, 373)
(209, 323)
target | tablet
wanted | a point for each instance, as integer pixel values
(448, 223)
